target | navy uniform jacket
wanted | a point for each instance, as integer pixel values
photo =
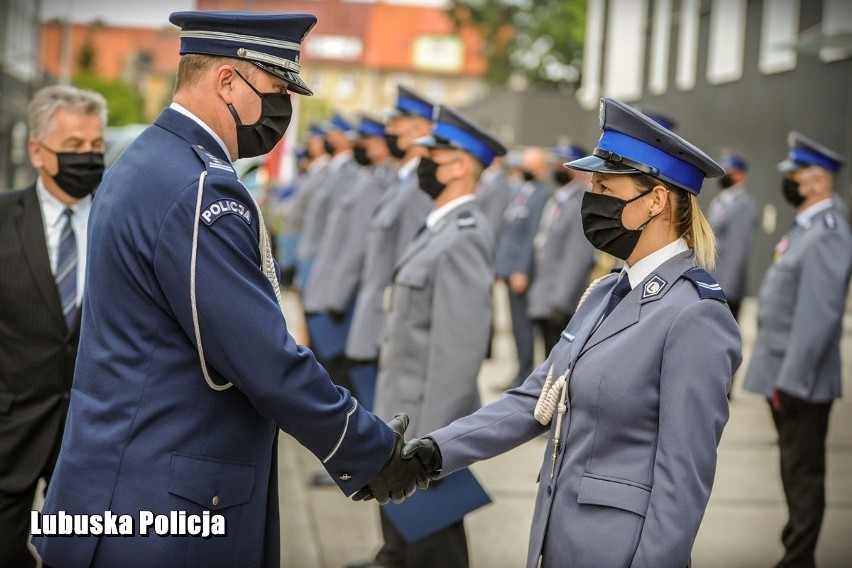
(400, 213)
(436, 332)
(337, 271)
(145, 431)
(517, 232)
(647, 406)
(564, 256)
(734, 220)
(800, 315)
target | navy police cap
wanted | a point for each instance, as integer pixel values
(269, 41)
(632, 143)
(369, 126)
(409, 103)
(452, 130)
(805, 152)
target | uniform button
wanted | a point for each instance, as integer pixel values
(345, 477)
(549, 490)
(215, 500)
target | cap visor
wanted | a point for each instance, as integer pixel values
(427, 141)
(596, 164)
(788, 166)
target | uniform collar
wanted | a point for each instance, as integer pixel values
(408, 167)
(804, 218)
(732, 193)
(181, 109)
(441, 212)
(52, 209)
(319, 163)
(639, 271)
(339, 159)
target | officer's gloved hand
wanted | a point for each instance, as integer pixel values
(427, 452)
(337, 315)
(399, 478)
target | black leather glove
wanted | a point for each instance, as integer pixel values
(427, 452)
(398, 478)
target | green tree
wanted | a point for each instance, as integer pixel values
(124, 105)
(540, 40)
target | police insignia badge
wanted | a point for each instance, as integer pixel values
(224, 207)
(653, 287)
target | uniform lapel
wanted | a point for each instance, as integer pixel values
(654, 287)
(31, 230)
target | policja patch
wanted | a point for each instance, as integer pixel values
(225, 207)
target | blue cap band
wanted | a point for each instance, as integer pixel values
(681, 172)
(414, 106)
(370, 128)
(466, 140)
(811, 158)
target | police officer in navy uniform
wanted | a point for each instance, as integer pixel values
(796, 362)
(733, 216)
(634, 393)
(186, 369)
(564, 257)
(438, 322)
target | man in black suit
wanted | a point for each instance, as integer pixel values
(42, 261)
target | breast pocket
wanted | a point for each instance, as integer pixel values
(212, 483)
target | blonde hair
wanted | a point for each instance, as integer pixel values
(689, 221)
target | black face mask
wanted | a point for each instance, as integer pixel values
(393, 146)
(603, 227)
(328, 147)
(725, 181)
(790, 189)
(359, 154)
(561, 177)
(79, 173)
(262, 136)
(528, 176)
(427, 176)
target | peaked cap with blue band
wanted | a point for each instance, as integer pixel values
(732, 161)
(269, 41)
(805, 152)
(316, 130)
(369, 126)
(452, 130)
(569, 151)
(409, 103)
(337, 122)
(632, 143)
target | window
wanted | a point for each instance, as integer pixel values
(687, 41)
(625, 49)
(727, 41)
(590, 90)
(836, 20)
(438, 53)
(779, 28)
(345, 87)
(661, 31)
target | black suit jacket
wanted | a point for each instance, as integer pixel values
(37, 350)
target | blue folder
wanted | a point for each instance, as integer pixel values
(328, 337)
(363, 378)
(446, 502)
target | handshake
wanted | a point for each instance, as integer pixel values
(410, 466)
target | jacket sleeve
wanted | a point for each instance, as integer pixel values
(461, 318)
(740, 233)
(699, 360)
(822, 287)
(246, 341)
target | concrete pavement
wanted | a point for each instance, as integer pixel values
(321, 528)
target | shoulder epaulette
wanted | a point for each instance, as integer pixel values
(705, 284)
(466, 220)
(829, 221)
(214, 164)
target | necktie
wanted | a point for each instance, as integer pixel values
(621, 288)
(66, 270)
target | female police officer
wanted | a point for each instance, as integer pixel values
(634, 392)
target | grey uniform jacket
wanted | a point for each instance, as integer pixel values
(437, 328)
(564, 257)
(401, 211)
(305, 191)
(494, 194)
(338, 179)
(518, 229)
(734, 222)
(800, 315)
(337, 271)
(648, 404)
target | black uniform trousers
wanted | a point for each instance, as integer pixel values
(551, 330)
(446, 548)
(522, 329)
(802, 428)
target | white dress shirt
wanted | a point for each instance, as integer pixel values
(52, 215)
(639, 271)
(181, 109)
(436, 215)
